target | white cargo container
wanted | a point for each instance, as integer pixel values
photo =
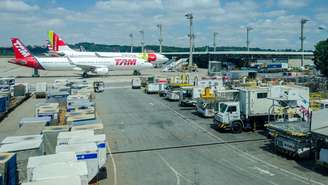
(29, 148)
(64, 137)
(36, 161)
(101, 142)
(84, 152)
(41, 120)
(69, 180)
(40, 90)
(61, 170)
(98, 128)
(17, 139)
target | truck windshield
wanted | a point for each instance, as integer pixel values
(223, 107)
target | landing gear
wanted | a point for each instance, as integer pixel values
(85, 75)
(136, 73)
(35, 73)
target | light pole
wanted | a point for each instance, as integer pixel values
(214, 40)
(191, 36)
(302, 38)
(248, 29)
(159, 26)
(142, 40)
(131, 37)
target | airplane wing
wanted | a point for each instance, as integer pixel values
(86, 67)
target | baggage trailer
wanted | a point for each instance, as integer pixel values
(291, 139)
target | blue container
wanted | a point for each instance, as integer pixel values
(57, 97)
(85, 122)
(9, 162)
(4, 103)
(275, 66)
(1, 179)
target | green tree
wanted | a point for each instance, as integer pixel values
(321, 56)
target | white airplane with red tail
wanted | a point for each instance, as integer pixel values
(96, 65)
(58, 45)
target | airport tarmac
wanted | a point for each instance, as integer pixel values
(154, 141)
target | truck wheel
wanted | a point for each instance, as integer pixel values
(236, 127)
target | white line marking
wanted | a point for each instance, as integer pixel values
(263, 171)
(301, 178)
(114, 165)
(177, 174)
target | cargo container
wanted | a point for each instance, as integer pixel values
(23, 150)
(7, 81)
(101, 142)
(30, 129)
(36, 161)
(79, 117)
(4, 104)
(61, 170)
(39, 120)
(86, 122)
(48, 110)
(20, 89)
(40, 90)
(64, 137)
(57, 96)
(69, 180)
(84, 152)
(319, 136)
(98, 128)
(1, 179)
(17, 139)
(50, 134)
(80, 105)
(8, 168)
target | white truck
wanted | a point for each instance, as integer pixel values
(252, 108)
(254, 105)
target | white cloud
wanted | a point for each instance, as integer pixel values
(111, 22)
(293, 4)
(16, 5)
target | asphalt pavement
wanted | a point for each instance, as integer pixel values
(155, 141)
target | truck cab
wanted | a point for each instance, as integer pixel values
(228, 116)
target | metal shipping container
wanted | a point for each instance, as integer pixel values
(8, 168)
(64, 137)
(36, 161)
(101, 142)
(61, 170)
(84, 152)
(40, 120)
(69, 180)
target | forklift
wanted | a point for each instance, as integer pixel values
(98, 86)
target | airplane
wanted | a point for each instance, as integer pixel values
(58, 45)
(96, 65)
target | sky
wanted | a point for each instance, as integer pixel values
(276, 23)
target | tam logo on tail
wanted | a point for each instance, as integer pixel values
(19, 49)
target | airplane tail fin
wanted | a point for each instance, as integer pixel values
(56, 43)
(20, 50)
